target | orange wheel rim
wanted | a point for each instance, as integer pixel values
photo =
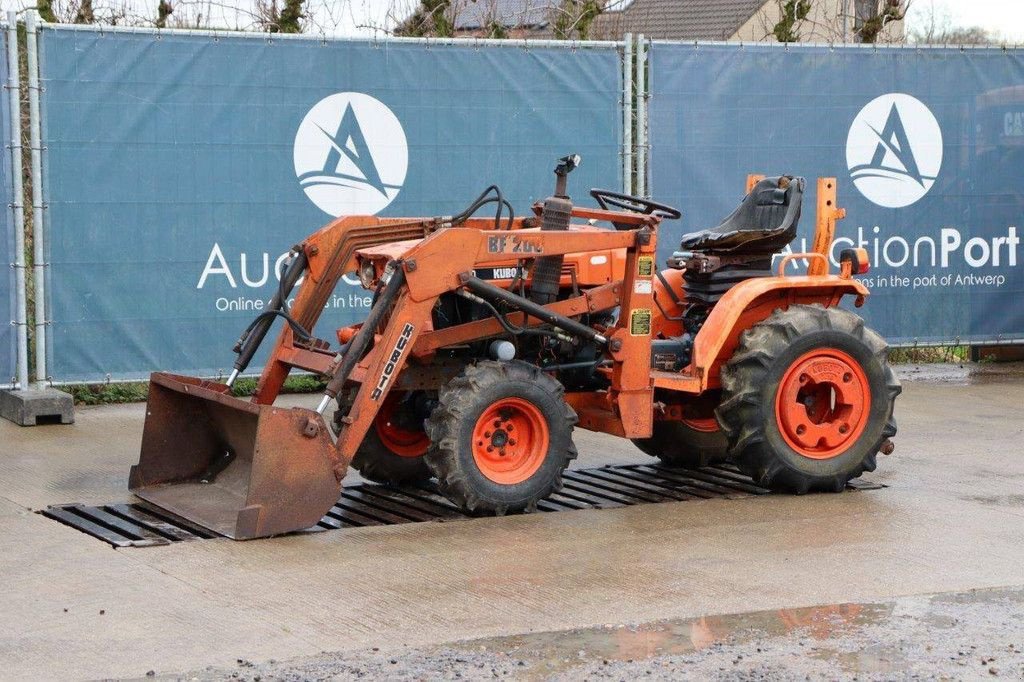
(823, 403)
(396, 438)
(510, 441)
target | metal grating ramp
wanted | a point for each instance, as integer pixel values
(141, 524)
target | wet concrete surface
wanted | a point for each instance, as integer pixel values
(963, 635)
(950, 520)
(963, 374)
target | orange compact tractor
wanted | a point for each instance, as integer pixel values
(489, 339)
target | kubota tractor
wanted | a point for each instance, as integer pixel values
(489, 339)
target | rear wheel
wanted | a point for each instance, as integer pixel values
(807, 399)
(693, 442)
(501, 437)
(393, 449)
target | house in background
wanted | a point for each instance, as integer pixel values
(515, 18)
(708, 20)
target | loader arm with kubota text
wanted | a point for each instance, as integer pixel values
(246, 468)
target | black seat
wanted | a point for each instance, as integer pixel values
(764, 222)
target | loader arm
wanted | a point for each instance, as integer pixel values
(329, 254)
(441, 263)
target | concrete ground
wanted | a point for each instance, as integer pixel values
(953, 635)
(950, 520)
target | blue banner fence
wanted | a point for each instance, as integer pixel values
(180, 166)
(927, 145)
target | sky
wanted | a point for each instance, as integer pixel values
(365, 17)
(1001, 17)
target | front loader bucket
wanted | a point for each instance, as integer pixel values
(237, 468)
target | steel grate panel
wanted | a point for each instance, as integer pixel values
(140, 524)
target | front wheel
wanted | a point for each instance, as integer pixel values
(500, 437)
(392, 452)
(807, 399)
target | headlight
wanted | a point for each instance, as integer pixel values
(367, 273)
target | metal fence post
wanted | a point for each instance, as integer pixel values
(33, 403)
(641, 116)
(18, 201)
(627, 113)
(38, 250)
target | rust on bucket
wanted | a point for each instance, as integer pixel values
(237, 468)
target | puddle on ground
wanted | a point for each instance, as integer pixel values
(818, 632)
(960, 374)
(550, 652)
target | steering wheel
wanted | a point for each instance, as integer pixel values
(607, 199)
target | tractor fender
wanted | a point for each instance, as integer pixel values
(753, 300)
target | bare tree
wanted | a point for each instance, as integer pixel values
(113, 12)
(85, 15)
(163, 13)
(273, 18)
(836, 21)
(935, 27)
(431, 18)
(573, 18)
(872, 16)
(792, 14)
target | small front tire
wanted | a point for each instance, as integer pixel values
(392, 452)
(500, 436)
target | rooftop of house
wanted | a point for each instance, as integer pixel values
(476, 14)
(677, 19)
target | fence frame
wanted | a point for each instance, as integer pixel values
(636, 79)
(20, 321)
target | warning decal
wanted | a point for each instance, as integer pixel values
(640, 322)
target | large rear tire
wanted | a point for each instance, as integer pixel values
(693, 441)
(689, 444)
(500, 436)
(807, 399)
(392, 452)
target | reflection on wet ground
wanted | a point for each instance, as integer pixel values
(960, 373)
(813, 631)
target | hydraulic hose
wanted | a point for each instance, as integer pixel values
(359, 344)
(492, 293)
(249, 342)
